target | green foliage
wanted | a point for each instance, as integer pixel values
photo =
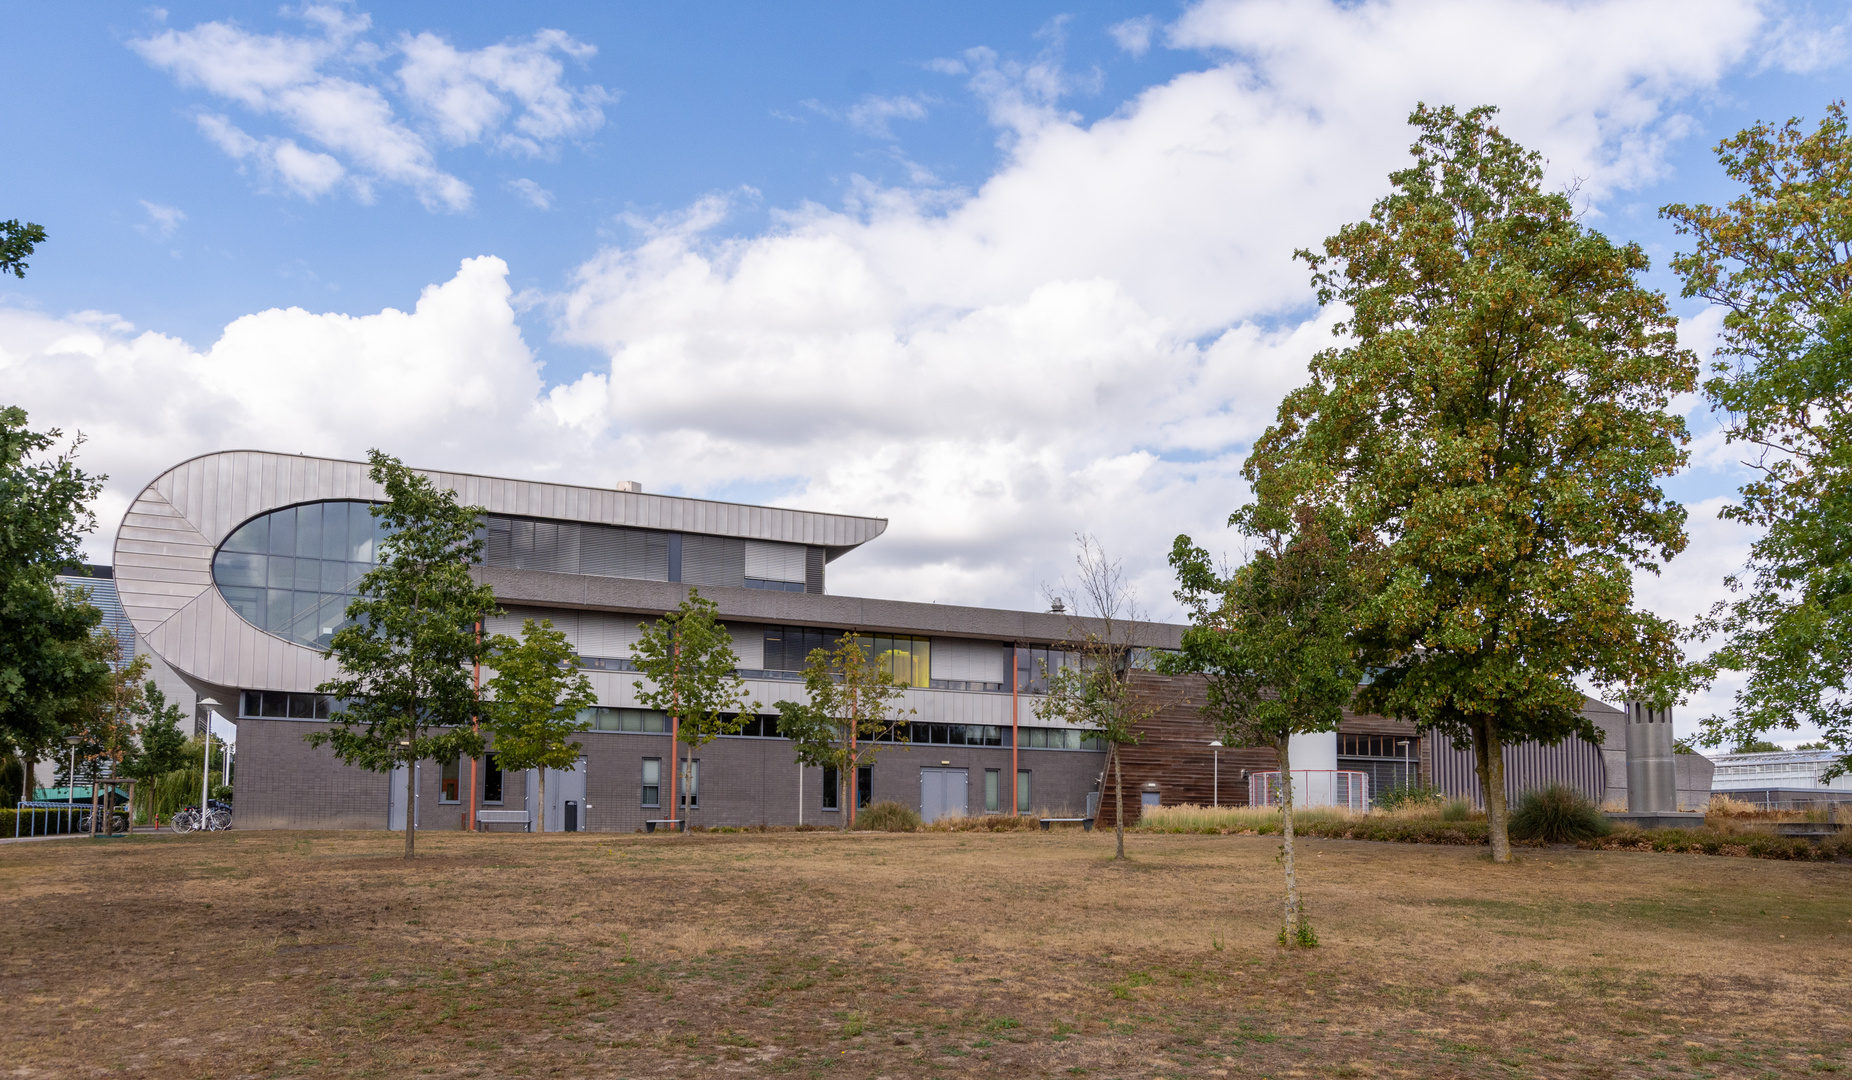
(1301, 937)
(1754, 746)
(851, 708)
(1404, 796)
(1557, 814)
(687, 657)
(1776, 259)
(49, 665)
(161, 743)
(1456, 810)
(889, 816)
(404, 687)
(1498, 423)
(538, 693)
(16, 244)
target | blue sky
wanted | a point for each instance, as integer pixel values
(1000, 273)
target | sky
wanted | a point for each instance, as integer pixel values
(1001, 274)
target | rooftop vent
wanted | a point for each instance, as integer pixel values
(630, 485)
(1058, 607)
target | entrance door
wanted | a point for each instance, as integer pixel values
(395, 800)
(563, 785)
(943, 793)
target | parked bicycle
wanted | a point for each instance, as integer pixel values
(114, 822)
(218, 818)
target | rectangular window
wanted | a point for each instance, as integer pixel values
(652, 781)
(787, 648)
(864, 786)
(906, 659)
(993, 780)
(491, 779)
(1022, 791)
(452, 781)
(603, 718)
(689, 795)
(831, 799)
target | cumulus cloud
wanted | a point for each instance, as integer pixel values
(532, 193)
(325, 87)
(1087, 341)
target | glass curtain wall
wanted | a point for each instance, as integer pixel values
(292, 572)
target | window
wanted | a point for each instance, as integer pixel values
(831, 797)
(1037, 738)
(1022, 791)
(292, 572)
(491, 779)
(864, 786)
(907, 659)
(956, 734)
(452, 781)
(280, 705)
(1034, 664)
(689, 795)
(652, 781)
(787, 647)
(648, 721)
(993, 780)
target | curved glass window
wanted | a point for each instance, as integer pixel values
(292, 572)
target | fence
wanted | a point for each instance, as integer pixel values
(1313, 787)
(39, 818)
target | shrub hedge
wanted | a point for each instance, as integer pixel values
(1709, 841)
(48, 821)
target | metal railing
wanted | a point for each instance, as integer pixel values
(1313, 787)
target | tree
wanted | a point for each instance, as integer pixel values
(538, 693)
(161, 745)
(47, 662)
(850, 713)
(687, 657)
(1094, 690)
(1497, 426)
(1273, 640)
(16, 244)
(404, 688)
(1778, 260)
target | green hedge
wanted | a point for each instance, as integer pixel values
(1708, 841)
(49, 821)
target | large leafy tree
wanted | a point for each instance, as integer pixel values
(688, 661)
(1496, 421)
(1778, 260)
(1093, 689)
(538, 693)
(851, 713)
(48, 665)
(405, 687)
(1273, 640)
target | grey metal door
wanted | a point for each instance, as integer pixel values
(395, 800)
(562, 784)
(943, 793)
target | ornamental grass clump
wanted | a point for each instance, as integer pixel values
(888, 817)
(1557, 814)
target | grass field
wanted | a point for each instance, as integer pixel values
(839, 956)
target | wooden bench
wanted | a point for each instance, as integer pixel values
(667, 823)
(1084, 822)
(504, 817)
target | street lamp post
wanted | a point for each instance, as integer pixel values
(1215, 797)
(70, 781)
(205, 764)
(1408, 762)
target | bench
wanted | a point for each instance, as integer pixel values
(504, 817)
(667, 823)
(1084, 822)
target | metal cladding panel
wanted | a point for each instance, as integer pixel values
(970, 661)
(1574, 762)
(748, 645)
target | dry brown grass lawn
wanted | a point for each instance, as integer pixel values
(1025, 954)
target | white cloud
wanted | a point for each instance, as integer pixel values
(872, 114)
(532, 193)
(163, 221)
(1088, 341)
(325, 88)
(1134, 35)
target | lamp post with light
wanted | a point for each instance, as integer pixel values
(70, 781)
(205, 765)
(1215, 796)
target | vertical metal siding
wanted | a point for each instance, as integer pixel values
(1573, 762)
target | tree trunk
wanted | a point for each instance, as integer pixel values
(411, 791)
(1294, 914)
(1118, 794)
(1488, 749)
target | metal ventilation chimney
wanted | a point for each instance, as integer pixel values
(1652, 784)
(630, 485)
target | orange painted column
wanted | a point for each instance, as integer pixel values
(1015, 732)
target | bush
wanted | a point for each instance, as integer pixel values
(985, 823)
(1557, 814)
(888, 817)
(1456, 810)
(1408, 796)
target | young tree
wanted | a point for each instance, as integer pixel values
(1497, 424)
(1778, 260)
(161, 745)
(1094, 690)
(47, 663)
(687, 657)
(851, 713)
(404, 687)
(1273, 640)
(538, 693)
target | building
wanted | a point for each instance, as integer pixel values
(1782, 776)
(236, 568)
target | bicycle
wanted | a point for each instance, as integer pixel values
(116, 822)
(218, 818)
